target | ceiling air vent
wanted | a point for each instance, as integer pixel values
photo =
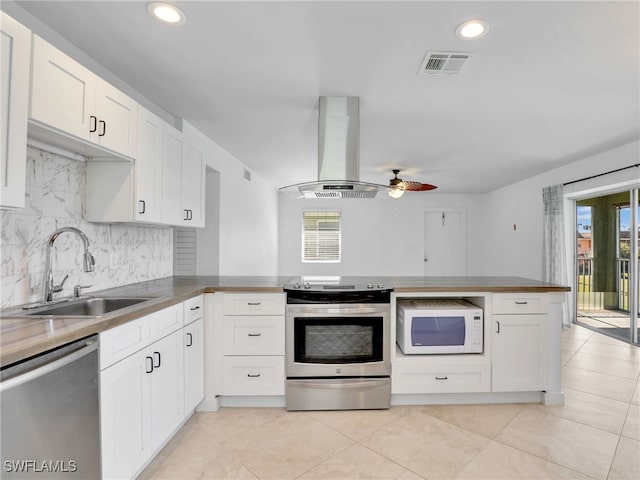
(443, 63)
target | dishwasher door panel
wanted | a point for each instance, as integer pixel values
(50, 418)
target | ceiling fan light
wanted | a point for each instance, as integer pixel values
(396, 192)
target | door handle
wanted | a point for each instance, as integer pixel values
(253, 375)
(104, 128)
(159, 359)
(93, 123)
(189, 339)
(254, 334)
(498, 323)
(143, 204)
(151, 370)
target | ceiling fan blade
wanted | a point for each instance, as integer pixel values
(417, 186)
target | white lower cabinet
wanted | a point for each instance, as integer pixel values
(520, 347)
(125, 416)
(193, 341)
(519, 353)
(167, 388)
(151, 378)
(252, 356)
(426, 377)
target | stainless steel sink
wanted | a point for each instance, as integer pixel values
(86, 307)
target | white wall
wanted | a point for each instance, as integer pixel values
(519, 252)
(248, 223)
(380, 236)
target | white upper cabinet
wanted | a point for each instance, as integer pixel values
(172, 158)
(148, 168)
(69, 98)
(117, 117)
(15, 44)
(193, 178)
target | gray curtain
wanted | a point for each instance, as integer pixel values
(554, 247)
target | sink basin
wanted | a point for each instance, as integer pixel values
(87, 307)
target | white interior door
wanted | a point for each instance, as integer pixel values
(444, 242)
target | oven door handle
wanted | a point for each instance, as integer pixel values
(340, 384)
(311, 310)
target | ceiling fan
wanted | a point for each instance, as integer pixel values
(397, 186)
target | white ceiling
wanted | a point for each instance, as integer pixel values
(550, 83)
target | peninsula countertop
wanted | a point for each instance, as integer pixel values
(22, 337)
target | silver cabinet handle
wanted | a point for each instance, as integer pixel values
(194, 308)
(93, 123)
(521, 303)
(498, 331)
(189, 340)
(253, 375)
(254, 334)
(253, 303)
(104, 128)
(143, 204)
(442, 378)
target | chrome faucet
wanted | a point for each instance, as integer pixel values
(88, 262)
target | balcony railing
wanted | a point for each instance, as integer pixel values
(589, 299)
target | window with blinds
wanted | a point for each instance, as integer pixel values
(321, 237)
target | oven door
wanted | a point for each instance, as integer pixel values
(337, 340)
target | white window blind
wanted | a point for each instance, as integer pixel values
(321, 237)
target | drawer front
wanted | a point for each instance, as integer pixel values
(254, 335)
(193, 309)
(166, 321)
(254, 376)
(123, 340)
(509, 303)
(254, 304)
(452, 378)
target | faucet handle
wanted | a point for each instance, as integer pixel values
(77, 289)
(58, 288)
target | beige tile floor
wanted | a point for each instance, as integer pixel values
(595, 435)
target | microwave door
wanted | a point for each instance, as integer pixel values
(438, 331)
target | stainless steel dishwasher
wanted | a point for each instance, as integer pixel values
(49, 414)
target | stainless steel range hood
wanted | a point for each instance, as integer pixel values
(338, 153)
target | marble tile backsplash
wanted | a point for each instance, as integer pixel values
(55, 198)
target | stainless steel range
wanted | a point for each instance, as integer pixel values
(337, 344)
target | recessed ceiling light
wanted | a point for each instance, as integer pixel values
(472, 29)
(167, 13)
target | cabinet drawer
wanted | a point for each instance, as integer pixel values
(253, 375)
(193, 309)
(122, 341)
(451, 378)
(165, 321)
(520, 303)
(254, 304)
(254, 335)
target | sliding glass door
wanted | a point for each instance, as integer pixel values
(607, 264)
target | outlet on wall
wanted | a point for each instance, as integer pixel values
(114, 260)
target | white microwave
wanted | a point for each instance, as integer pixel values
(438, 326)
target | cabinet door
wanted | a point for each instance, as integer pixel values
(15, 55)
(117, 115)
(172, 156)
(167, 387)
(519, 359)
(193, 188)
(148, 167)
(62, 91)
(125, 416)
(193, 365)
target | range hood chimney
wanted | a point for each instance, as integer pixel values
(338, 153)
